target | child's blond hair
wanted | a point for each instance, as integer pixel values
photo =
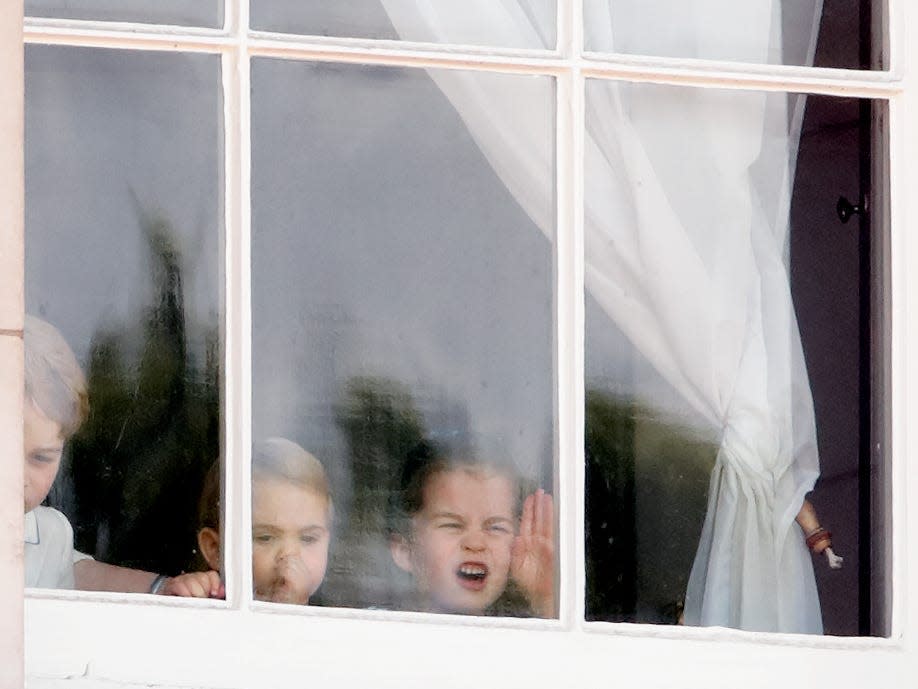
(54, 381)
(283, 459)
(276, 458)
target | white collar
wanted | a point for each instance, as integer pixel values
(31, 528)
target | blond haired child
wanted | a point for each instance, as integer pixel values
(55, 405)
(291, 522)
(457, 528)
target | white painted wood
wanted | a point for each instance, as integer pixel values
(126, 36)
(234, 362)
(567, 398)
(214, 648)
(676, 71)
(569, 319)
(903, 166)
(568, 268)
(237, 546)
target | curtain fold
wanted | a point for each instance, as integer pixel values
(686, 227)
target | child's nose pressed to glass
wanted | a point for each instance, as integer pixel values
(290, 536)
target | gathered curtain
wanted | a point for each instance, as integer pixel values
(686, 233)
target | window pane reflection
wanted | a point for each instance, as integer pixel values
(725, 368)
(835, 33)
(402, 334)
(123, 227)
(522, 24)
(180, 12)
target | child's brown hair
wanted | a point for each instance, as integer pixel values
(430, 458)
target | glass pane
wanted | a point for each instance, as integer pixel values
(834, 33)
(402, 335)
(734, 361)
(178, 12)
(518, 24)
(123, 258)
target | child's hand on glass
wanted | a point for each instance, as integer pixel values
(194, 585)
(532, 563)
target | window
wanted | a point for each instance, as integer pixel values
(259, 203)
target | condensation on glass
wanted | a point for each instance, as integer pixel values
(123, 257)
(517, 24)
(402, 335)
(845, 34)
(207, 13)
(735, 357)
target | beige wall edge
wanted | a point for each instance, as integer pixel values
(11, 321)
(12, 203)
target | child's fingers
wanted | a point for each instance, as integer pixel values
(527, 518)
(195, 585)
(537, 509)
(201, 588)
(545, 525)
(214, 585)
(209, 583)
(178, 586)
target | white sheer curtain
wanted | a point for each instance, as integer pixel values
(686, 243)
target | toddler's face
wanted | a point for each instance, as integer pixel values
(43, 447)
(462, 538)
(290, 534)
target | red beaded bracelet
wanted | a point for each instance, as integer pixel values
(818, 537)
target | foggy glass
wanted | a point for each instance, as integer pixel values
(400, 297)
(123, 256)
(179, 12)
(367, 19)
(649, 454)
(845, 35)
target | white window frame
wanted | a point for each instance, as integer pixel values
(111, 640)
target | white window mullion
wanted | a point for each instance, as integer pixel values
(902, 292)
(233, 11)
(95, 34)
(894, 20)
(903, 402)
(569, 345)
(237, 409)
(566, 28)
